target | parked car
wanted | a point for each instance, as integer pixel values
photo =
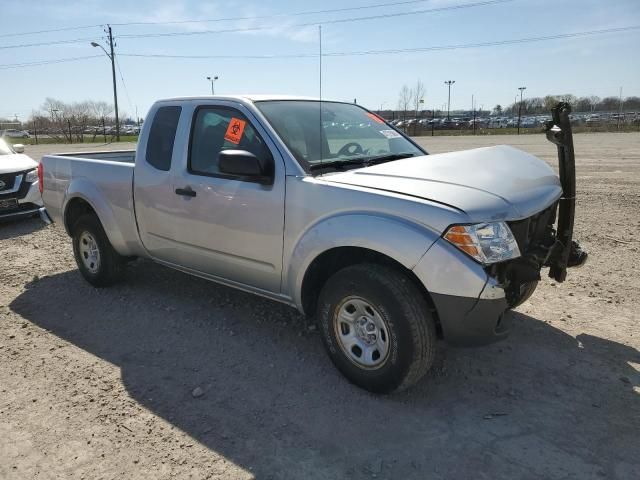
(19, 184)
(386, 246)
(13, 133)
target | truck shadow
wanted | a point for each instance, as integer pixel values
(541, 402)
(19, 227)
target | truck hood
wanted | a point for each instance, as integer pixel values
(493, 183)
(16, 162)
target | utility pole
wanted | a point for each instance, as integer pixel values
(620, 109)
(113, 75)
(473, 108)
(449, 83)
(522, 89)
(115, 90)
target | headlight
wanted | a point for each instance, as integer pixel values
(486, 242)
(31, 176)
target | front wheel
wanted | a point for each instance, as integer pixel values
(97, 261)
(524, 292)
(377, 327)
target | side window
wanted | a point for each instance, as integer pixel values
(215, 129)
(161, 137)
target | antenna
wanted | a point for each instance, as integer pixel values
(320, 90)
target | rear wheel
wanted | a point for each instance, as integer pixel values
(376, 327)
(97, 261)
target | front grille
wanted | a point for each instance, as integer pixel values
(533, 231)
(7, 181)
(10, 180)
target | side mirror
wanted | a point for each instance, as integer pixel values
(19, 148)
(246, 164)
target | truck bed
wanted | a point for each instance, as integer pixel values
(124, 156)
(105, 181)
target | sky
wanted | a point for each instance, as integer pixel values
(585, 65)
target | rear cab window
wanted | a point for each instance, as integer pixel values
(162, 137)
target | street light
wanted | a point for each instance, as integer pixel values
(212, 80)
(113, 75)
(449, 83)
(522, 89)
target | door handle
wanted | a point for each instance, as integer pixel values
(185, 192)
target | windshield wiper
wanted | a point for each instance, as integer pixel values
(388, 158)
(365, 161)
(339, 164)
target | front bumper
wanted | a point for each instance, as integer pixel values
(470, 304)
(467, 321)
(28, 198)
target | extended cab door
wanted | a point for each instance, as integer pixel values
(153, 184)
(225, 225)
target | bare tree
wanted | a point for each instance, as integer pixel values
(417, 94)
(404, 100)
(101, 109)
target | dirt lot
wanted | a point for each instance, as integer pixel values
(98, 383)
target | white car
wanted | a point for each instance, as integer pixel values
(12, 133)
(19, 183)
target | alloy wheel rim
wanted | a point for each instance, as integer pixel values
(362, 333)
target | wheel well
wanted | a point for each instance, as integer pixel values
(75, 209)
(329, 262)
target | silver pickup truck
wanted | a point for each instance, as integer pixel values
(326, 207)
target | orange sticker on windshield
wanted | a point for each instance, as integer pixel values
(234, 130)
(375, 117)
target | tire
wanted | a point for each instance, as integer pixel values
(404, 327)
(515, 299)
(89, 238)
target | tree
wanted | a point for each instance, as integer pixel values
(632, 103)
(404, 100)
(497, 109)
(609, 104)
(569, 98)
(549, 102)
(583, 104)
(417, 94)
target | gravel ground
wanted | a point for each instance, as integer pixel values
(100, 383)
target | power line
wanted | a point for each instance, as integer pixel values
(314, 24)
(35, 32)
(484, 44)
(259, 28)
(126, 91)
(221, 19)
(46, 62)
(276, 15)
(351, 53)
(396, 50)
(55, 42)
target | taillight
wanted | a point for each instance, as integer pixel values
(40, 177)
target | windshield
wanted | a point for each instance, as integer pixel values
(345, 133)
(5, 148)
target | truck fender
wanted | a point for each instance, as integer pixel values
(403, 241)
(89, 192)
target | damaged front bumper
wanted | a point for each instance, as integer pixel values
(472, 301)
